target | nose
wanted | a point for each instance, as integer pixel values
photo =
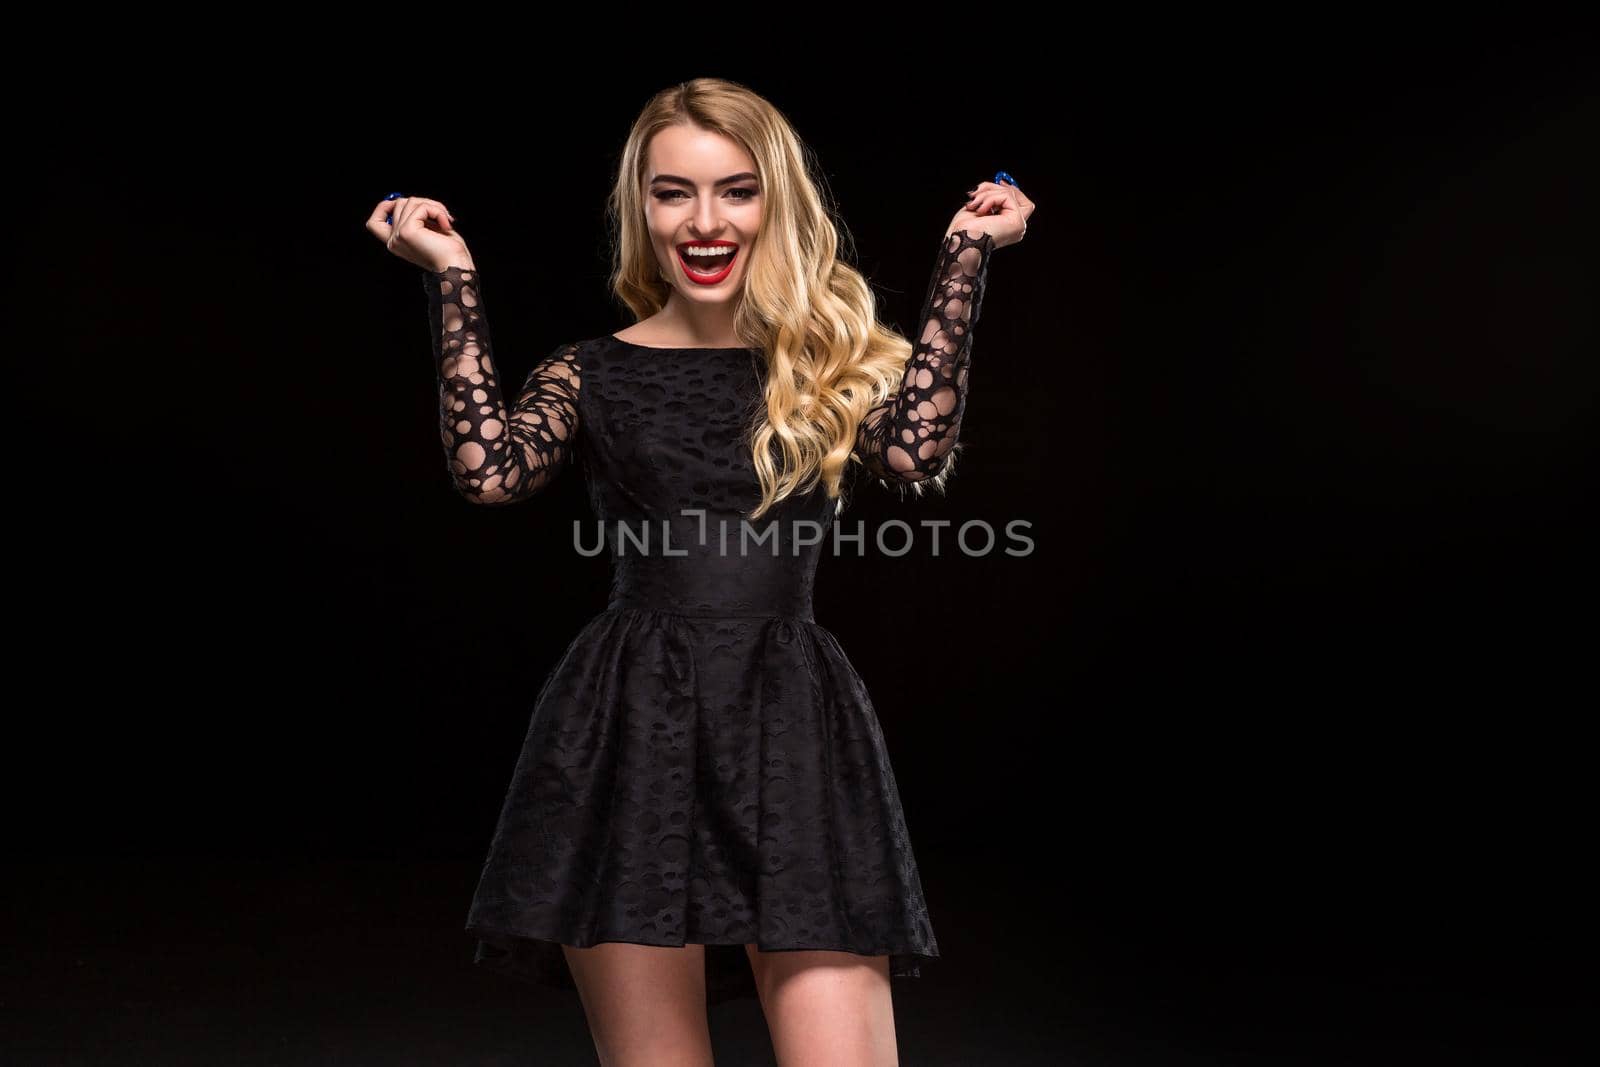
(708, 219)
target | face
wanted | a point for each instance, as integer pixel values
(703, 207)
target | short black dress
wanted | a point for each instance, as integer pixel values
(703, 764)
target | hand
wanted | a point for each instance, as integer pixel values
(423, 233)
(999, 210)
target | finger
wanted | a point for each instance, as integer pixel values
(400, 210)
(394, 204)
(404, 209)
(378, 222)
(1016, 196)
(403, 215)
(418, 210)
(438, 214)
(426, 211)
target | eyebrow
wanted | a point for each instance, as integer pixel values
(675, 180)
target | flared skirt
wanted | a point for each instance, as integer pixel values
(701, 780)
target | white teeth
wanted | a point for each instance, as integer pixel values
(709, 251)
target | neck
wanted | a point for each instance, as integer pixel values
(699, 325)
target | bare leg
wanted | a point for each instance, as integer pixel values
(646, 1005)
(827, 1009)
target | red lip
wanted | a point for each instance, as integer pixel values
(707, 279)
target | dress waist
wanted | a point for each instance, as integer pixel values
(716, 585)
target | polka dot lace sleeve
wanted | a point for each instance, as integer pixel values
(495, 457)
(912, 437)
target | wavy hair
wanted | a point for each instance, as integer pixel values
(829, 359)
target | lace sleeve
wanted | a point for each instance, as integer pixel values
(912, 437)
(493, 457)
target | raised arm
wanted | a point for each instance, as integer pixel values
(495, 457)
(912, 437)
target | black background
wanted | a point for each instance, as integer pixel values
(1269, 753)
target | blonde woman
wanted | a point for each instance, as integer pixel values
(704, 807)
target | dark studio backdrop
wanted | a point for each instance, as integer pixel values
(1267, 754)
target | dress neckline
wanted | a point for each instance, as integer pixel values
(653, 348)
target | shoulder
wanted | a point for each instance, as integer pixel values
(582, 358)
(581, 349)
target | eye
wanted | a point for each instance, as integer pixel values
(749, 194)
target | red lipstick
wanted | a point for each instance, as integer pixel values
(694, 266)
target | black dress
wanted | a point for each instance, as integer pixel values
(703, 765)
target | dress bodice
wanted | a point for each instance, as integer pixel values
(671, 479)
(663, 438)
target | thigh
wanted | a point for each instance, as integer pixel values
(646, 1005)
(827, 1008)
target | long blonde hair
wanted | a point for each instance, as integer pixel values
(829, 360)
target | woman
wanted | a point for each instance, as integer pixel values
(704, 807)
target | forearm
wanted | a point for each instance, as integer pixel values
(495, 455)
(911, 437)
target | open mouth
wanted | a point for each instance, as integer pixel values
(708, 262)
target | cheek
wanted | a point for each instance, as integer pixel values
(659, 225)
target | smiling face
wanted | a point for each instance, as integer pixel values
(703, 209)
